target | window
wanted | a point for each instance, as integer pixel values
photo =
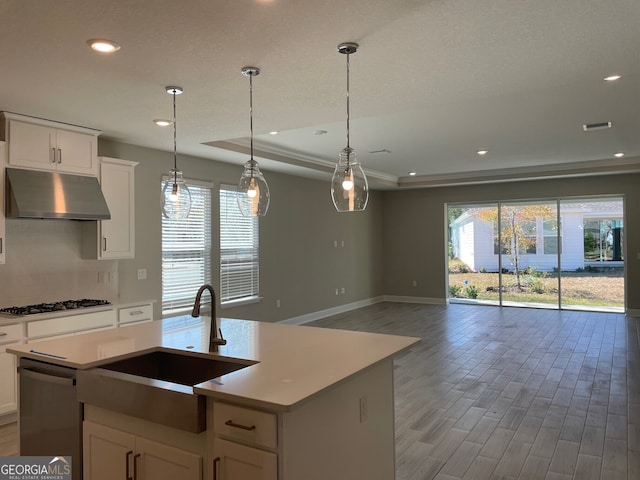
(186, 252)
(550, 234)
(239, 262)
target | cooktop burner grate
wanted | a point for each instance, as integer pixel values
(54, 306)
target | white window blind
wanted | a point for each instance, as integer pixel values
(239, 262)
(186, 252)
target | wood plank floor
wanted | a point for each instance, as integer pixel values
(505, 393)
(511, 393)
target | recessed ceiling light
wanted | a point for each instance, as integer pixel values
(162, 122)
(274, 132)
(413, 174)
(103, 46)
(482, 152)
(613, 78)
(618, 155)
(319, 132)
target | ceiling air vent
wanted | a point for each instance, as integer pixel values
(588, 127)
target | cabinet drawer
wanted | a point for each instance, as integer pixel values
(75, 323)
(245, 424)
(135, 314)
(10, 333)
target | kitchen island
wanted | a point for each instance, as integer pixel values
(305, 403)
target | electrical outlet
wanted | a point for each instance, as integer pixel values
(343, 290)
(142, 274)
(100, 277)
(364, 414)
(112, 277)
(278, 303)
(337, 292)
(414, 283)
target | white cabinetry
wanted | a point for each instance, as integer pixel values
(114, 238)
(111, 454)
(3, 242)
(245, 442)
(46, 145)
(133, 315)
(69, 325)
(9, 335)
(238, 462)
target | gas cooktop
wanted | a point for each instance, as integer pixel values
(54, 306)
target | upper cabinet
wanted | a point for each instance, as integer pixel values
(114, 238)
(46, 145)
(3, 246)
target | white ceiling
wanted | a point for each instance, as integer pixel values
(432, 82)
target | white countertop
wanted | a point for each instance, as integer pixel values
(294, 362)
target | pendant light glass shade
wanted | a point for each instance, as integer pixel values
(176, 198)
(349, 186)
(253, 191)
(255, 199)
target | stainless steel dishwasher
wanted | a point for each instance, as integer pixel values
(50, 416)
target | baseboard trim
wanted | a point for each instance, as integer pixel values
(422, 300)
(633, 312)
(311, 317)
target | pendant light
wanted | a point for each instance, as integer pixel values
(253, 191)
(176, 198)
(349, 187)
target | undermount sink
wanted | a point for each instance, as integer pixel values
(155, 386)
(175, 367)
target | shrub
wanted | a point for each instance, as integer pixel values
(472, 291)
(483, 270)
(537, 286)
(454, 290)
(458, 266)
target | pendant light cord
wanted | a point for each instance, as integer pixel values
(348, 146)
(175, 148)
(251, 119)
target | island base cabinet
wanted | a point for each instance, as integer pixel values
(113, 454)
(8, 395)
(238, 462)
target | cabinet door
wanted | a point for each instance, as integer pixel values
(77, 153)
(155, 461)
(238, 462)
(108, 454)
(3, 245)
(32, 146)
(8, 398)
(117, 234)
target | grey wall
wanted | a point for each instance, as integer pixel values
(299, 264)
(414, 227)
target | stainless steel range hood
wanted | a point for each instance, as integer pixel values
(36, 194)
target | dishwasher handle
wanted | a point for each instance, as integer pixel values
(44, 377)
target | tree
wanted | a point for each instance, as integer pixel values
(518, 233)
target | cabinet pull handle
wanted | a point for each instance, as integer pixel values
(0, 245)
(216, 462)
(127, 461)
(135, 466)
(137, 312)
(3, 334)
(104, 244)
(53, 156)
(59, 155)
(233, 424)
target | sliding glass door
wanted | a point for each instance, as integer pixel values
(545, 254)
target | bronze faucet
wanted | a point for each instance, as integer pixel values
(214, 340)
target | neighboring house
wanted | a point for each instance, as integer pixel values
(591, 235)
